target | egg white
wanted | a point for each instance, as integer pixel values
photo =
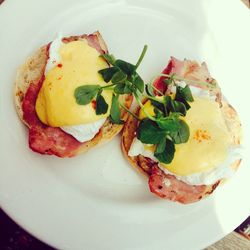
(82, 132)
(203, 178)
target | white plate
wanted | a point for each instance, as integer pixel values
(97, 201)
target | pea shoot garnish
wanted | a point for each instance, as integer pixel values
(165, 127)
(123, 79)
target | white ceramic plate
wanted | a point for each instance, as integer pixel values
(97, 201)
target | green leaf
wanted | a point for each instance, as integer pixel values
(174, 115)
(85, 94)
(123, 88)
(159, 106)
(149, 132)
(119, 89)
(149, 90)
(168, 124)
(182, 135)
(138, 82)
(187, 94)
(168, 81)
(179, 107)
(163, 107)
(108, 73)
(167, 100)
(181, 96)
(126, 67)
(115, 112)
(165, 153)
(109, 58)
(158, 113)
(101, 105)
(186, 104)
(161, 146)
(128, 88)
(119, 77)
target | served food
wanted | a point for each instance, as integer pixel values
(50, 91)
(184, 136)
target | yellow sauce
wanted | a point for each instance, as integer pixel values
(56, 105)
(208, 142)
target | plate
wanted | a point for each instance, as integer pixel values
(97, 201)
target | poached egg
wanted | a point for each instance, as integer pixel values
(205, 158)
(69, 66)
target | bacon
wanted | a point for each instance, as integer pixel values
(42, 138)
(158, 83)
(52, 141)
(145, 163)
(29, 103)
(168, 187)
(165, 185)
(94, 40)
(187, 69)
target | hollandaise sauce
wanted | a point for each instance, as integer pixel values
(79, 65)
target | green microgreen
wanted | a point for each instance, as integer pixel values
(166, 127)
(169, 80)
(108, 73)
(178, 106)
(101, 105)
(141, 56)
(180, 97)
(130, 112)
(182, 134)
(125, 67)
(124, 80)
(171, 125)
(186, 93)
(124, 88)
(115, 112)
(109, 58)
(165, 151)
(85, 94)
(143, 108)
(138, 82)
(119, 77)
(149, 132)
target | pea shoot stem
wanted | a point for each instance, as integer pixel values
(108, 86)
(131, 113)
(141, 56)
(175, 77)
(142, 107)
(155, 99)
(157, 90)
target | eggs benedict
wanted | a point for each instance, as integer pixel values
(186, 138)
(45, 96)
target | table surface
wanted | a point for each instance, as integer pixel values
(13, 237)
(247, 2)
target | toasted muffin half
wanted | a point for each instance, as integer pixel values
(52, 140)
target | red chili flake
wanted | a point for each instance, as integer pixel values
(59, 65)
(93, 104)
(59, 78)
